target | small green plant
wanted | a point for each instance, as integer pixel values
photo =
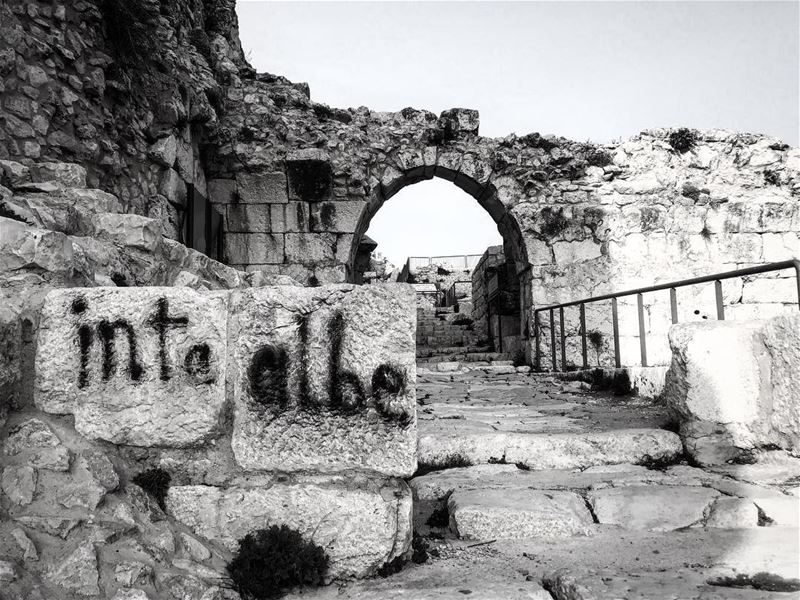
(598, 158)
(440, 517)
(772, 177)
(682, 140)
(419, 549)
(659, 463)
(553, 221)
(156, 483)
(621, 383)
(596, 339)
(451, 461)
(271, 561)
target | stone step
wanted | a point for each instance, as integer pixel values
(486, 501)
(426, 351)
(550, 451)
(494, 357)
(518, 514)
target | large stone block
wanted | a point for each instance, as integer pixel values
(734, 385)
(139, 366)
(261, 188)
(66, 174)
(324, 378)
(655, 508)
(518, 513)
(248, 218)
(360, 524)
(339, 217)
(128, 230)
(310, 248)
(254, 248)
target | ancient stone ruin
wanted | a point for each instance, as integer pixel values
(189, 365)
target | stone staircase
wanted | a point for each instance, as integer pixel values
(441, 327)
(447, 341)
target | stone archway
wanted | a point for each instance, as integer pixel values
(471, 175)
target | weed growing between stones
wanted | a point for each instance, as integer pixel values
(451, 461)
(271, 561)
(419, 555)
(762, 581)
(156, 483)
(763, 519)
(682, 140)
(419, 549)
(660, 463)
(596, 339)
(553, 221)
(772, 177)
(598, 158)
(440, 517)
(502, 461)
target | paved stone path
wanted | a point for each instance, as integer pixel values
(541, 489)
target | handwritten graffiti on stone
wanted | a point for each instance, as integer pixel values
(197, 362)
(268, 377)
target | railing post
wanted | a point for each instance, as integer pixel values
(563, 339)
(553, 339)
(720, 305)
(673, 305)
(583, 337)
(615, 325)
(642, 339)
(796, 265)
(537, 360)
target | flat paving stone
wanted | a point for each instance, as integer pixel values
(518, 513)
(655, 508)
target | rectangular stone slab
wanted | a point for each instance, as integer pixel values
(138, 366)
(361, 523)
(324, 378)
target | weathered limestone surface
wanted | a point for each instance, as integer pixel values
(360, 523)
(651, 507)
(734, 384)
(554, 451)
(139, 366)
(324, 378)
(517, 513)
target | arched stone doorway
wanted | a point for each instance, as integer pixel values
(473, 177)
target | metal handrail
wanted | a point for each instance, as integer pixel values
(717, 278)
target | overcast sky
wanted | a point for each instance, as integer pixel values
(585, 70)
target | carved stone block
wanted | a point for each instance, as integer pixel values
(139, 366)
(324, 378)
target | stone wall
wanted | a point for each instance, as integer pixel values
(298, 182)
(657, 215)
(491, 258)
(577, 219)
(128, 89)
(54, 233)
